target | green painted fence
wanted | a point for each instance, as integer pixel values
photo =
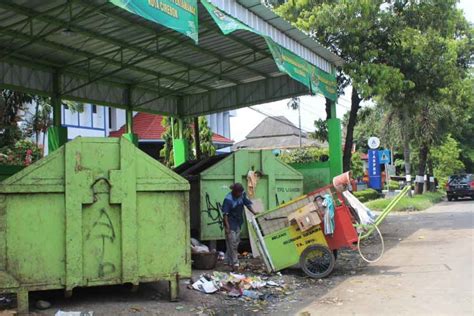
(315, 175)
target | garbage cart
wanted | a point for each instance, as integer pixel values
(284, 241)
(98, 211)
(294, 233)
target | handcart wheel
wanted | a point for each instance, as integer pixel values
(317, 261)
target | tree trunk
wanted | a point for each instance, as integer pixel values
(328, 108)
(347, 153)
(406, 148)
(35, 123)
(431, 186)
(422, 157)
(197, 139)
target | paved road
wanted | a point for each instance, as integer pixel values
(427, 270)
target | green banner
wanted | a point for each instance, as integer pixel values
(296, 67)
(324, 83)
(179, 15)
(226, 23)
(299, 69)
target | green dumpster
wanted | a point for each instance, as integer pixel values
(98, 211)
(210, 180)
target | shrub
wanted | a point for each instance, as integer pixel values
(305, 155)
(416, 203)
(367, 195)
(23, 153)
(393, 185)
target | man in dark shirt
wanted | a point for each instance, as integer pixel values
(233, 210)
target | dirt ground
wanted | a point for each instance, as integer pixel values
(299, 291)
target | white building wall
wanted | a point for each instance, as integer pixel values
(219, 123)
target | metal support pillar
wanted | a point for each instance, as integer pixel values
(335, 143)
(180, 145)
(197, 140)
(57, 134)
(129, 120)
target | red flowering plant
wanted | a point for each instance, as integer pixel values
(23, 153)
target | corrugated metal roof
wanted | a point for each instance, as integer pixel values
(105, 55)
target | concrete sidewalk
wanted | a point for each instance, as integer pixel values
(427, 270)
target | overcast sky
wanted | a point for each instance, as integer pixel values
(312, 107)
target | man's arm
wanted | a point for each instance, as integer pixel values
(248, 204)
(226, 207)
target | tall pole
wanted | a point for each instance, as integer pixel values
(299, 121)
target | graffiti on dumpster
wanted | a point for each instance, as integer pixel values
(103, 229)
(214, 213)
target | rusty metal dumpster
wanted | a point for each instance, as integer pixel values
(98, 211)
(210, 180)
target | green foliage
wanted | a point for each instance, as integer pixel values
(393, 185)
(166, 152)
(367, 195)
(305, 155)
(23, 153)
(205, 137)
(73, 106)
(357, 166)
(40, 120)
(415, 203)
(12, 103)
(445, 159)
(321, 130)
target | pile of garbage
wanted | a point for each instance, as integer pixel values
(237, 285)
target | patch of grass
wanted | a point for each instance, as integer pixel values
(416, 203)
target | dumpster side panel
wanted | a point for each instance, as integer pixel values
(286, 190)
(35, 238)
(278, 182)
(102, 239)
(166, 253)
(213, 192)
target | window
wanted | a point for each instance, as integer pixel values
(94, 108)
(110, 117)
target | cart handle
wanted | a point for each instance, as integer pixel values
(385, 213)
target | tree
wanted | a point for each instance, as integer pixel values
(205, 135)
(40, 120)
(359, 32)
(321, 131)
(357, 166)
(446, 159)
(12, 103)
(433, 51)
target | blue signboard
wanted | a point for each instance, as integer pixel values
(375, 180)
(384, 156)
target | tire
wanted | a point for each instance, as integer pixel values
(317, 261)
(450, 198)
